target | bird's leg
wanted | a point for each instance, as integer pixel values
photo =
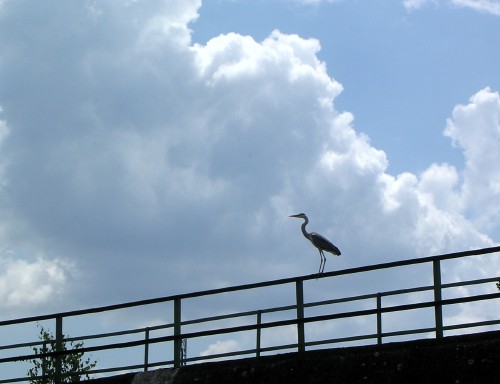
(322, 262)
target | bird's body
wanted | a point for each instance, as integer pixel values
(320, 242)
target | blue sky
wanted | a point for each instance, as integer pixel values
(168, 141)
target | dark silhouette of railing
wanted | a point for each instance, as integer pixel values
(178, 338)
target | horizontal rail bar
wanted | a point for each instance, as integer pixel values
(341, 300)
(222, 355)
(238, 314)
(243, 352)
(342, 340)
(408, 332)
(470, 282)
(116, 369)
(114, 334)
(269, 283)
(22, 345)
(14, 380)
(471, 325)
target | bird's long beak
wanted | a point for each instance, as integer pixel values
(294, 216)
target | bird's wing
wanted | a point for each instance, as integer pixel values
(323, 243)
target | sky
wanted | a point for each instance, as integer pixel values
(150, 148)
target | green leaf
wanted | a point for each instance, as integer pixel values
(73, 366)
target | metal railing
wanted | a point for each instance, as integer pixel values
(178, 336)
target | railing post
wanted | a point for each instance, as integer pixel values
(146, 350)
(379, 318)
(299, 292)
(438, 308)
(59, 348)
(259, 322)
(177, 333)
(44, 363)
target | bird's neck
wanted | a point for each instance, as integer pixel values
(303, 227)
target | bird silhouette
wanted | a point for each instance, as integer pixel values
(320, 242)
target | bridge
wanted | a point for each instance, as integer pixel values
(179, 326)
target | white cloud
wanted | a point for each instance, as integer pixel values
(34, 284)
(475, 128)
(439, 184)
(488, 6)
(220, 347)
(151, 156)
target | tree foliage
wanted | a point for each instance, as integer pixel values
(74, 367)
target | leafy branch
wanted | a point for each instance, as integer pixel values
(74, 366)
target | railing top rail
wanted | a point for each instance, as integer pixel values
(242, 287)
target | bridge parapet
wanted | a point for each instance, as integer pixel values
(164, 345)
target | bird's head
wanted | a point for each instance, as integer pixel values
(299, 216)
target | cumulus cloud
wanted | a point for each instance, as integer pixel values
(33, 284)
(143, 156)
(475, 128)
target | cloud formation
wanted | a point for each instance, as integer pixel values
(139, 155)
(475, 128)
(29, 284)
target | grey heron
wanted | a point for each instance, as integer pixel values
(320, 242)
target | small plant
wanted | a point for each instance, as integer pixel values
(74, 368)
